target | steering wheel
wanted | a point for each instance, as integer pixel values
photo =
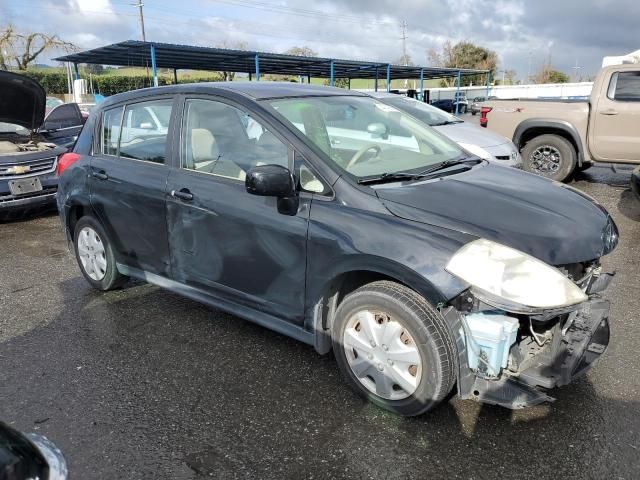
(360, 154)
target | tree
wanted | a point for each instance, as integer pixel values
(464, 55)
(548, 75)
(22, 49)
(303, 51)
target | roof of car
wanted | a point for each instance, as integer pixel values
(254, 90)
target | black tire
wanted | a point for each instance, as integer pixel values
(473, 112)
(423, 323)
(112, 279)
(559, 146)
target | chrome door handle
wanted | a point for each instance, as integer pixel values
(100, 175)
(183, 194)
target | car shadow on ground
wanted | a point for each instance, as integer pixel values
(629, 205)
(142, 383)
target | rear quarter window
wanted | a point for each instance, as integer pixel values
(110, 131)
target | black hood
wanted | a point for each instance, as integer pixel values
(548, 220)
(22, 100)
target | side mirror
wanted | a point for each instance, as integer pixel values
(270, 181)
(378, 130)
(29, 456)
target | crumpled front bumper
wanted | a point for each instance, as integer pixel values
(576, 346)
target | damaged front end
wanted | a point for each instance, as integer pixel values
(510, 354)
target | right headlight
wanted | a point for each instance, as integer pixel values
(513, 276)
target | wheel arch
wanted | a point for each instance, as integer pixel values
(352, 275)
(532, 128)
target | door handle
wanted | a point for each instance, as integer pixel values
(183, 194)
(101, 175)
(609, 112)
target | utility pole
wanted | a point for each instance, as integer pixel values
(140, 5)
(575, 71)
(404, 47)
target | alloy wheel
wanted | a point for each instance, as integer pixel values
(545, 160)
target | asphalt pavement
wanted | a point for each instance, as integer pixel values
(141, 383)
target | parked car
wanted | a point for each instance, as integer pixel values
(476, 105)
(635, 182)
(558, 136)
(29, 457)
(30, 144)
(449, 105)
(345, 223)
(472, 138)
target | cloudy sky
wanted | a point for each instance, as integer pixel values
(522, 32)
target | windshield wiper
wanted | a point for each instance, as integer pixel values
(448, 163)
(448, 122)
(394, 176)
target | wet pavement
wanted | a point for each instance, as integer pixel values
(141, 383)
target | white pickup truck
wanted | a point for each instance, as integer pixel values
(557, 137)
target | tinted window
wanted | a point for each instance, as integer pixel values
(63, 116)
(111, 120)
(222, 140)
(144, 130)
(627, 86)
(429, 114)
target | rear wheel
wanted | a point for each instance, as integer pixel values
(95, 255)
(394, 348)
(550, 156)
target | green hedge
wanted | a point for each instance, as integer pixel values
(55, 83)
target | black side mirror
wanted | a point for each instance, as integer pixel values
(270, 181)
(29, 456)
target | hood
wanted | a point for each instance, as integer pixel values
(548, 220)
(471, 134)
(22, 100)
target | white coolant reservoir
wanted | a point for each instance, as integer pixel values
(492, 335)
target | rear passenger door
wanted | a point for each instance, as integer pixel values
(223, 240)
(128, 185)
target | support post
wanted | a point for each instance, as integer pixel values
(309, 79)
(488, 82)
(375, 85)
(257, 67)
(331, 74)
(153, 65)
(249, 76)
(76, 72)
(175, 76)
(388, 77)
(349, 83)
(422, 85)
(457, 92)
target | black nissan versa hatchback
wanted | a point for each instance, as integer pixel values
(340, 221)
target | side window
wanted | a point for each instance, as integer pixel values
(144, 136)
(111, 120)
(308, 181)
(223, 140)
(625, 87)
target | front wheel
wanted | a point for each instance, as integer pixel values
(550, 156)
(394, 348)
(95, 255)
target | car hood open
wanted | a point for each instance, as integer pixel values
(22, 100)
(548, 220)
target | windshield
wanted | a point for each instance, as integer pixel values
(428, 114)
(12, 128)
(366, 137)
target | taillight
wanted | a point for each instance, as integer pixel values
(65, 161)
(483, 116)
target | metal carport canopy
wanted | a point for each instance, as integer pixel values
(135, 53)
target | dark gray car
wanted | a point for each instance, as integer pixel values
(31, 144)
(345, 223)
